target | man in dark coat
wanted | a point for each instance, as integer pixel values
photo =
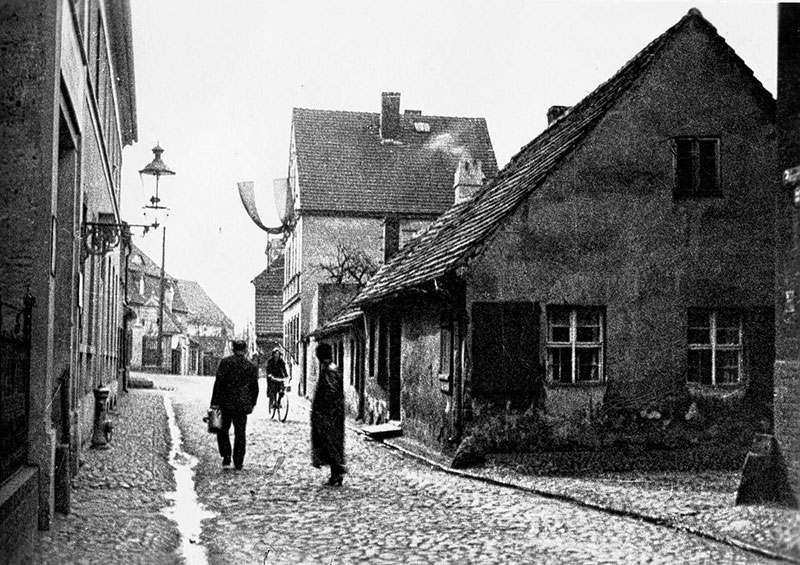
(236, 394)
(327, 417)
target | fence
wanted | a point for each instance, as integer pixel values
(15, 363)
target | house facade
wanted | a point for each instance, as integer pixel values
(268, 292)
(195, 331)
(68, 109)
(359, 185)
(622, 259)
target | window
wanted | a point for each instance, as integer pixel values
(696, 167)
(715, 346)
(574, 344)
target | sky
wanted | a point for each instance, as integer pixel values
(216, 83)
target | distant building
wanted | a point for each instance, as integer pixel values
(362, 184)
(67, 108)
(268, 301)
(195, 330)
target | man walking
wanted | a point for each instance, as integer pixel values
(236, 394)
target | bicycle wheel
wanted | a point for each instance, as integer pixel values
(274, 410)
(283, 407)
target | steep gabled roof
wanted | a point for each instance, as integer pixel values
(461, 232)
(270, 278)
(344, 168)
(139, 262)
(201, 309)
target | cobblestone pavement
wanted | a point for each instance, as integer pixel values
(393, 508)
(118, 495)
(698, 502)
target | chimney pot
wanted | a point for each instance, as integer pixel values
(390, 116)
(468, 179)
(555, 112)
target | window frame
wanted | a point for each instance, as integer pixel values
(695, 159)
(573, 345)
(715, 347)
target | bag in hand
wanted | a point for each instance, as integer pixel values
(214, 419)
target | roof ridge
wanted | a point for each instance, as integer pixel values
(402, 114)
(461, 233)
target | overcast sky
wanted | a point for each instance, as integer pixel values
(216, 83)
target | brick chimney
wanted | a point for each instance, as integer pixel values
(468, 179)
(390, 117)
(555, 112)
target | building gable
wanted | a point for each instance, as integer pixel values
(464, 230)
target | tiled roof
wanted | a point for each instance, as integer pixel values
(345, 319)
(343, 166)
(460, 233)
(201, 309)
(271, 278)
(172, 325)
(139, 264)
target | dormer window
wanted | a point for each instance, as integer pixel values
(696, 167)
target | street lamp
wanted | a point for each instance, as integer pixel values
(158, 168)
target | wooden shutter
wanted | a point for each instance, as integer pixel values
(505, 350)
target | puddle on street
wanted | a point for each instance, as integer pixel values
(185, 510)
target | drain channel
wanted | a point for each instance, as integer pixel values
(186, 510)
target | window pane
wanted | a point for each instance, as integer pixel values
(588, 326)
(559, 319)
(728, 324)
(559, 362)
(588, 364)
(700, 366)
(699, 330)
(727, 367)
(589, 335)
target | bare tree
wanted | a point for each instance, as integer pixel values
(351, 265)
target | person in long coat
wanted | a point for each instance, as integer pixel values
(327, 417)
(236, 394)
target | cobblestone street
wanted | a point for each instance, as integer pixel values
(391, 509)
(394, 509)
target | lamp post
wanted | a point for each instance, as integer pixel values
(158, 168)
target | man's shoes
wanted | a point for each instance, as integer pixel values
(335, 481)
(238, 467)
(226, 461)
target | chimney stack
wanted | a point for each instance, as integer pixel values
(468, 179)
(555, 112)
(390, 117)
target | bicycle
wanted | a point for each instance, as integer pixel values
(279, 403)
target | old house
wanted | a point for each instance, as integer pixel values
(195, 331)
(359, 185)
(623, 257)
(207, 328)
(66, 111)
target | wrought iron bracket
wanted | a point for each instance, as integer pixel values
(100, 238)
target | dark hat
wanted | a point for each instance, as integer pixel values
(239, 345)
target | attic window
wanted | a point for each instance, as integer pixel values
(422, 127)
(696, 167)
(137, 260)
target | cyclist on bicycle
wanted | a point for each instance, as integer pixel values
(276, 375)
